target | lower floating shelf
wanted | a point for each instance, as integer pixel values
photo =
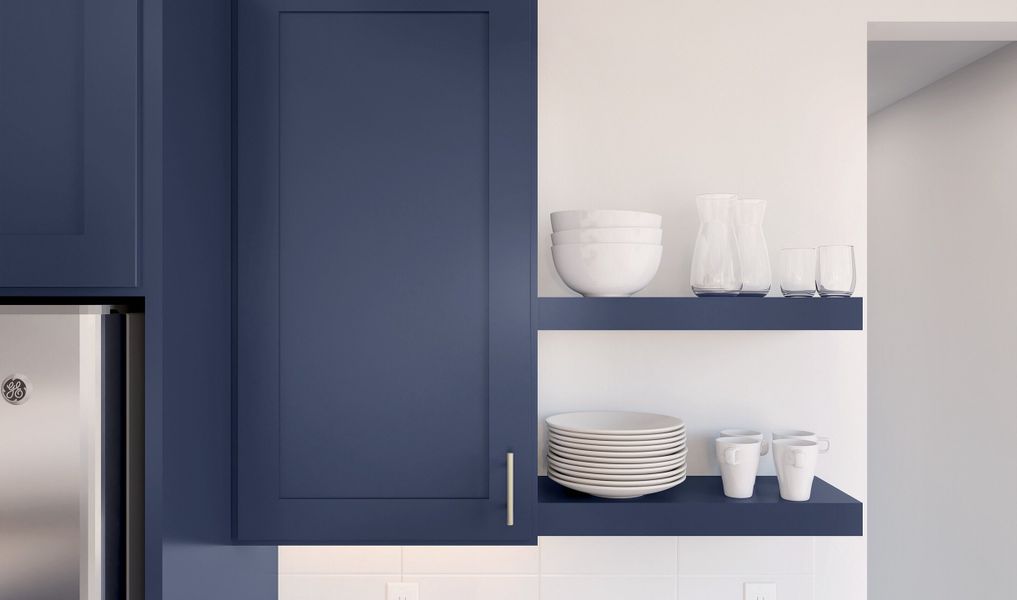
(698, 507)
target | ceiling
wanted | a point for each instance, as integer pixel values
(899, 69)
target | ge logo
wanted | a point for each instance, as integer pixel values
(16, 389)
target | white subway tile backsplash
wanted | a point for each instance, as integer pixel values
(608, 555)
(595, 587)
(558, 568)
(334, 587)
(789, 587)
(458, 560)
(340, 560)
(745, 555)
(477, 587)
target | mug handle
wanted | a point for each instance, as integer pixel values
(731, 456)
(795, 457)
(764, 447)
(824, 444)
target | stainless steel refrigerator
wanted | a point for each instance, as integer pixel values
(71, 410)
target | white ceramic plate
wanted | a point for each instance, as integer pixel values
(555, 441)
(615, 455)
(615, 484)
(608, 235)
(626, 438)
(615, 423)
(616, 493)
(667, 455)
(620, 445)
(564, 220)
(592, 464)
(604, 470)
(552, 466)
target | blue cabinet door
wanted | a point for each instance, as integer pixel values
(68, 143)
(385, 335)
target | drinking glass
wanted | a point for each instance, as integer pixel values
(798, 272)
(835, 271)
(755, 258)
(715, 262)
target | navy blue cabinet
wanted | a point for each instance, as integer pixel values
(68, 143)
(385, 326)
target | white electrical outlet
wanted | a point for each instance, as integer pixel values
(403, 591)
(757, 591)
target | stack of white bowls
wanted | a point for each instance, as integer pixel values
(616, 454)
(606, 252)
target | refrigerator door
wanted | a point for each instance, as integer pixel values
(61, 415)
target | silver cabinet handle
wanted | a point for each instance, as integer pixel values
(510, 460)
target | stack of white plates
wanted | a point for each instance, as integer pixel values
(616, 454)
(606, 252)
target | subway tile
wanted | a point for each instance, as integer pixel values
(590, 587)
(477, 587)
(460, 560)
(340, 560)
(719, 556)
(334, 587)
(789, 587)
(608, 555)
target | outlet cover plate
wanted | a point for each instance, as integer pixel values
(402, 591)
(760, 591)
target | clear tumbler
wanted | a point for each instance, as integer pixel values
(798, 272)
(835, 271)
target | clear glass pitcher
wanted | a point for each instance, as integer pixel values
(753, 253)
(715, 261)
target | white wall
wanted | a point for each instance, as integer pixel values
(645, 103)
(943, 215)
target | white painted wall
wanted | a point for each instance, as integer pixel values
(642, 105)
(899, 69)
(943, 212)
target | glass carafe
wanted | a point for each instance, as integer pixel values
(754, 256)
(715, 261)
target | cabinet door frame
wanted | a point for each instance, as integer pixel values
(261, 515)
(106, 252)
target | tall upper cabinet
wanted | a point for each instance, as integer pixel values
(69, 202)
(385, 214)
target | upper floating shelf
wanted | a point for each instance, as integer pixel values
(700, 314)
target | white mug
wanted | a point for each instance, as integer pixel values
(795, 461)
(739, 463)
(794, 434)
(764, 447)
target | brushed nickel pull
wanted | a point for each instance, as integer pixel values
(510, 460)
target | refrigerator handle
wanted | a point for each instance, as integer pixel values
(112, 440)
(134, 467)
(123, 456)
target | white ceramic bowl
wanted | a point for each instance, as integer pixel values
(608, 235)
(564, 220)
(607, 269)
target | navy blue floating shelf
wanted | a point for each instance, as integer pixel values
(698, 507)
(702, 314)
